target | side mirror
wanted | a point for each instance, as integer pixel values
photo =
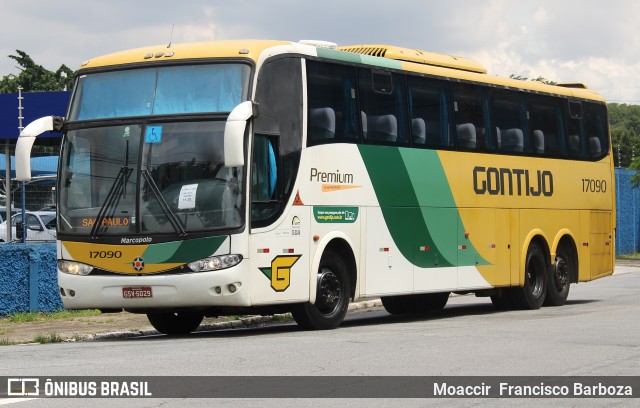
(234, 133)
(25, 143)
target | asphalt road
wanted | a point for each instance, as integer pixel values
(596, 334)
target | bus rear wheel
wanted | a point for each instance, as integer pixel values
(332, 296)
(559, 278)
(175, 323)
(533, 293)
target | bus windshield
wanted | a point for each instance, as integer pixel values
(203, 88)
(145, 179)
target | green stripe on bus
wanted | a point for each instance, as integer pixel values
(182, 251)
(418, 206)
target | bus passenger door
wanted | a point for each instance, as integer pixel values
(279, 245)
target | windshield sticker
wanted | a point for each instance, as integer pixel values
(345, 215)
(153, 134)
(187, 199)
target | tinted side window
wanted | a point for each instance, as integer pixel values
(547, 127)
(469, 117)
(382, 104)
(597, 130)
(331, 93)
(429, 112)
(575, 138)
(510, 122)
(278, 138)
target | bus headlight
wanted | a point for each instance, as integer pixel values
(214, 263)
(74, 268)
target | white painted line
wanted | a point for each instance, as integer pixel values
(14, 400)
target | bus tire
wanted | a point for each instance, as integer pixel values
(532, 294)
(502, 301)
(175, 323)
(332, 296)
(420, 303)
(430, 302)
(559, 279)
(396, 305)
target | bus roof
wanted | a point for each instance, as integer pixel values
(387, 56)
(250, 49)
(418, 56)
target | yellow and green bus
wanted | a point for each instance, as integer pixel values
(237, 177)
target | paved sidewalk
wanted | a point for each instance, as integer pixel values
(123, 325)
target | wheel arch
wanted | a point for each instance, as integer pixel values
(342, 245)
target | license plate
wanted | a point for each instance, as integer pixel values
(134, 293)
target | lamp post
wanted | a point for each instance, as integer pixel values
(23, 235)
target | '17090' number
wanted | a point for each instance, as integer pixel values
(105, 254)
(594, 186)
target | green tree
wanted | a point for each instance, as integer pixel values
(625, 133)
(36, 78)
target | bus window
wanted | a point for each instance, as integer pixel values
(509, 122)
(575, 142)
(278, 138)
(331, 95)
(429, 112)
(547, 128)
(469, 117)
(597, 130)
(264, 177)
(383, 106)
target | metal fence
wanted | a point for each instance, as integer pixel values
(628, 213)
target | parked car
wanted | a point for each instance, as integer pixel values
(3, 213)
(41, 226)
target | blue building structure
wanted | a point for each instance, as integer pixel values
(35, 105)
(628, 213)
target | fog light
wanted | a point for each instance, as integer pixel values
(62, 293)
(232, 288)
(218, 290)
(72, 293)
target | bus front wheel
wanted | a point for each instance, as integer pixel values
(332, 296)
(175, 323)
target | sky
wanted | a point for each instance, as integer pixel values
(589, 41)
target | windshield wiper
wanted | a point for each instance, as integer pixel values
(173, 220)
(118, 189)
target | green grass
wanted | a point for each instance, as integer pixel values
(52, 337)
(285, 317)
(28, 317)
(6, 342)
(629, 256)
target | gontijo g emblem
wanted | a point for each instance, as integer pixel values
(280, 271)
